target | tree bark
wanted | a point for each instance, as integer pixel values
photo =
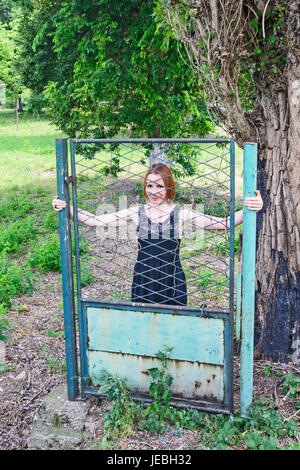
(220, 56)
(277, 325)
(277, 269)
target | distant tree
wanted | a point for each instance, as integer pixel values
(35, 59)
(104, 66)
(6, 7)
(8, 74)
(247, 57)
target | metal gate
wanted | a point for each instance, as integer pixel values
(117, 334)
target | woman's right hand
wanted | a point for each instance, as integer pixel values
(58, 204)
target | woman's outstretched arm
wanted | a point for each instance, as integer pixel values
(221, 223)
(114, 219)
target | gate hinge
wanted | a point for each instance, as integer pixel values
(71, 179)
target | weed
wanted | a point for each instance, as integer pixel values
(56, 334)
(291, 385)
(6, 368)
(45, 255)
(222, 244)
(14, 206)
(210, 278)
(54, 365)
(50, 221)
(15, 235)
(3, 323)
(261, 429)
(255, 441)
(14, 280)
(160, 390)
(120, 419)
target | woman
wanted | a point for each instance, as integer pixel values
(158, 276)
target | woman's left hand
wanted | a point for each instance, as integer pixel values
(254, 203)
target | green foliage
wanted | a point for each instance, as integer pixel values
(15, 280)
(50, 221)
(36, 104)
(222, 244)
(35, 60)
(105, 66)
(256, 53)
(210, 278)
(261, 429)
(6, 7)
(160, 390)
(45, 254)
(291, 387)
(3, 322)
(5, 368)
(14, 206)
(29, 224)
(121, 417)
(7, 49)
(16, 235)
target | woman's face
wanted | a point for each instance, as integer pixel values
(155, 189)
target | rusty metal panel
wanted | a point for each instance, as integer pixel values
(191, 379)
(136, 332)
(192, 338)
(124, 342)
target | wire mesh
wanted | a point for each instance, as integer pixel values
(154, 249)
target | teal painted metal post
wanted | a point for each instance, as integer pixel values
(67, 269)
(81, 319)
(248, 280)
(228, 332)
(238, 306)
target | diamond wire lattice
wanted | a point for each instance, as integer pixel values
(109, 178)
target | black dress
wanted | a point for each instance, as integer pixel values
(158, 277)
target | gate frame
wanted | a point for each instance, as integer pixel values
(245, 302)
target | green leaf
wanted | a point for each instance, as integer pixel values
(104, 388)
(166, 396)
(253, 440)
(154, 373)
(269, 444)
(169, 380)
(153, 391)
(254, 22)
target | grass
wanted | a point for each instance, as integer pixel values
(27, 154)
(27, 184)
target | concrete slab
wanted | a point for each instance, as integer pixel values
(59, 423)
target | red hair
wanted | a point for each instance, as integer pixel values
(167, 177)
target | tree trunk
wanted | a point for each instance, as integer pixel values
(277, 323)
(222, 46)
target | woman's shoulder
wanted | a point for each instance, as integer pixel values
(188, 213)
(130, 209)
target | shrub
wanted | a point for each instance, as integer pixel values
(15, 235)
(14, 206)
(14, 280)
(3, 322)
(45, 255)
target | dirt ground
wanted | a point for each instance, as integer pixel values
(33, 359)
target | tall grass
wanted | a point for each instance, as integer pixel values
(27, 183)
(27, 154)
